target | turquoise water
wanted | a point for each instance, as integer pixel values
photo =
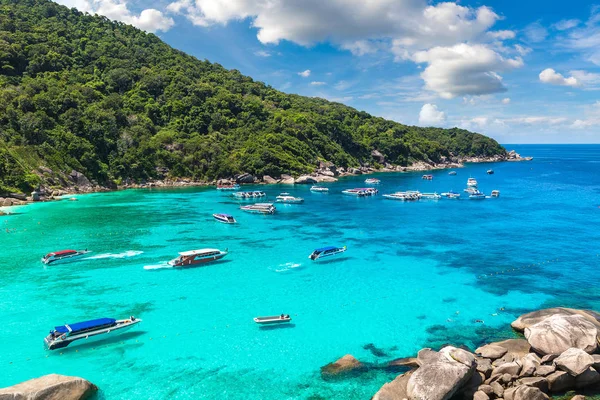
(415, 275)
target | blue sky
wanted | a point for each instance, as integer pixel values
(521, 72)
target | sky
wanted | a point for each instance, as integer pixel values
(518, 71)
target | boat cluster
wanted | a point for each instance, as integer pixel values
(360, 192)
(249, 195)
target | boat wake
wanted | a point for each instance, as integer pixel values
(162, 265)
(125, 254)
(287, 266)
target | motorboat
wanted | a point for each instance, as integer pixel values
(472, 182)
(404, 196)
(224, 218)
(372, 181)
(319, 189)
(259, 208)
(427, 177)
(287, 198)
(361, 192)
(228, 186)
(249, 195)
(197, 257)
(326, 252)
(103, 328)
(495, 193)
(430, 196)
(490, 172)
(471, 190)
(477, 195)
(452, 173)
(63, 256)
(273, 319)
(451, 195)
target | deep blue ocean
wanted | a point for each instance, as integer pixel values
(415, 274)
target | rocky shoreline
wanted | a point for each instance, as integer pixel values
(558, 356)
(77, 183)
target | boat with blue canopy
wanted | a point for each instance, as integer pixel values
(326, 252)
(62, 336)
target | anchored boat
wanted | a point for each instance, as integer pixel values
(430, 196)
(287, 198)
(411, 195)
(62, 336)
(472, 182)
(259, 208)
(452, 173)
(372, 181)
(274, 319)
(427, 177)
(477, 195)
(224, 218)
(490, 172)
(495, 193)
(360, 192)
(228, 186)
(320, 189)
(197, 257)
(451, 195)
(326, 252)
(249, 195)
(63, 256)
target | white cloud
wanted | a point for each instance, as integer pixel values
(262, 53)
(150, 19)
(464, 69)
(305, 73)
(502, 35)
(535, 32)
(522, 50)
(566, 24)
(587, 79)
(431, 116)
(506, 100)
(537, 120)
(316, 83)
(585, 123)
(343, 85)
(551, 76)
(585, 39)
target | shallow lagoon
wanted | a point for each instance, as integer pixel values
(414, 275)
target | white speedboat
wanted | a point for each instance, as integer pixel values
(249, 195)
(495, 193)
(360, 192)
(430, 196)
(427, 177)
(471, 190)
(372, 181)
(477, 195)
(472, 182)
(63, 256)
(452, 173)
(320, 189)
(259, 208)
(197, 257)
(273, 319)
(287, 198)
(62, 336)
(451, 195)
(224, 218)
(404, 196)
(490, 172)
(326, 252)
(228, 186)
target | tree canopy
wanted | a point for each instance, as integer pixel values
(82, 92)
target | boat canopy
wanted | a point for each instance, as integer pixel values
(63, 252)
(196, 252)
(80, 326)
(322, 249)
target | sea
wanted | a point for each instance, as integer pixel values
(415, 274)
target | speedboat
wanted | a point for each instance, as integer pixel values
(427, 177)
(404, 196)
(490, 172)
(360, 192)
(63, 256)
(430, 196)
(274, 319)
(477, 195)
(249, 195)
(196, 257)
(286, 198)
(319, 189)
(224, 218)
(326, 252)
(62, 336)
(228, 186)
(495, 193)
(471, 190)
(451, 195)
(472, 182)
(259, 208)
(452, 173)
(372, 181)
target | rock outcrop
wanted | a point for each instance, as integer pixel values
(532, 318)
(306, 180)
(574, 361)
(245, 178)
(79, 179)
(557, 333)
(269, 180)
(50, 387)
(344, 366)
(394, 390)
(287, 179)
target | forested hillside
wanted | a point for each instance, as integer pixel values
(108, 100)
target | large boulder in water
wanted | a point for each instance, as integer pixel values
(441, 378)
(532, 318)
(344, 366)
(574, 361)
(492, 351)
(306, 179)
(245, 178)
(557, 333)
(79, 179)
(394, 390)
(525, 392)
(50, 387)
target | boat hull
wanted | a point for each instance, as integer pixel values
(66, 259)
(200, 261)
(272, 320)
(90, 337)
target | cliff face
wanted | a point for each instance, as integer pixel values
(81, 93)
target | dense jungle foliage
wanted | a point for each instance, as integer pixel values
(81, 92)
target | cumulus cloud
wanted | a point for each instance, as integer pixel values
(586, 79)
(464, 69)
(552, 77)
(506, 100)
(150, 19)
(431, 116)
(316, 83)
(305, 73)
